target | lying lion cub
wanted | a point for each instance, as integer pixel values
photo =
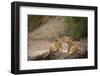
(72, 46)
(56, 46)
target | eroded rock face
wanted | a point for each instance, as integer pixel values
(49, 29)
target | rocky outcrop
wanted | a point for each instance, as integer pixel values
(50, 29)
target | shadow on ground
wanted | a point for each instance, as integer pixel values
(58, 55)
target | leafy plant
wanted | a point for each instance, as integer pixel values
(76, 27)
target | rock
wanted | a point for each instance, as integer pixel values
(59, 55)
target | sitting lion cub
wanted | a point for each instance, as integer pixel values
(56, 46)
(72, 46)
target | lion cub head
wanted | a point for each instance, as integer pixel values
(56, 45)
(72, 45)
(67, 39)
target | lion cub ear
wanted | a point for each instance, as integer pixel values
(67, 37)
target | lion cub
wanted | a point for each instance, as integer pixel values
(72, 46)
(56, 46)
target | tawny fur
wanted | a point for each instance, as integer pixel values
(56, 46)
(72, 46)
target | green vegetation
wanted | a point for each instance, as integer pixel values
(76, 27)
